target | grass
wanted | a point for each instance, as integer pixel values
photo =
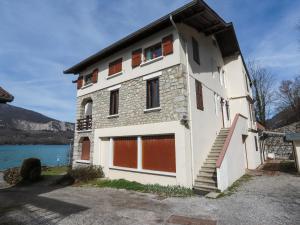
(234, 187)
(54, 171)
(164, 191)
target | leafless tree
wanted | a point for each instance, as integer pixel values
(289, 95)
(263, 83)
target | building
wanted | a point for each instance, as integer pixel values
(5, 96)
(170, 103)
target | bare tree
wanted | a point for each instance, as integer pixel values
(263, 90)
(289, 95)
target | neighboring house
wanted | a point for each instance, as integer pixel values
(5, 96)
(171, 104)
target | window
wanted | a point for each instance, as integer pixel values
(227, 110)
(199, 95)
(216, 103)
(125, 152)
(153, 52)
(114, 102)
(196, 56)
(153, 93)
(88, 107)
(221, 75)
(115, 67)
(79, 82)
(256, 145)
(247, 83)
(88, 79)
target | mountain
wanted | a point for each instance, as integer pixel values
(22, 126)
(283, 118)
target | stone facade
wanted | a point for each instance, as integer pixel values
(132, 103)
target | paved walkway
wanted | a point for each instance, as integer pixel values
(266, 199)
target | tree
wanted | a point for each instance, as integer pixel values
(289, 95)
(263, 83)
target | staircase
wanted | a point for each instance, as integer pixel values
(206, 180)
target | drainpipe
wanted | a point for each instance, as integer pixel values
(189, 100)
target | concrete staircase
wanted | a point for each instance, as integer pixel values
(206, 180)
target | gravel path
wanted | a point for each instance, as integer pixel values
(263, 200)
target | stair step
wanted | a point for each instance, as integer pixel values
(205, 188)
(205, 182)
(207, 174)
(211, 161)
(209, 170)
(212, 180)
(210, 164)
(213, 154)
(215, 157)
(216, 150)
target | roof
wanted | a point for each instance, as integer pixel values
(5, 96)
(196, 14)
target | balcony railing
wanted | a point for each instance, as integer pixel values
(84, 124)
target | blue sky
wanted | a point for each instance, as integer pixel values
(39, 39)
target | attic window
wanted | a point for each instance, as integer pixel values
(153, 52)
(88, 79)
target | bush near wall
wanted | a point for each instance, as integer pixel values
(83, 174)
(12, 176)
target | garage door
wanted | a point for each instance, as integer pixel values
(125, 152)
(159, 153)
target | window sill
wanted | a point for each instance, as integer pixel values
(153, 172)
(84, 131)
(152, 109)
(112, 116)
(152, 61)
(86, 86)
(83, 161)
(114, 75)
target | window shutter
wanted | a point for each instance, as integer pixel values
(79, 82)
(167, 43)
(136, 58)
(115, 67)
(199, 95)
(95, 76)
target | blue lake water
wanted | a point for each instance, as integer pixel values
(50, 155)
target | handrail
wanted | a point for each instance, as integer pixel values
(228, 139)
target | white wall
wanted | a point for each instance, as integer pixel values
(233, 164)
(297, 154)
(102, 153)
(253, 156)
(206, 124)
(128, 72)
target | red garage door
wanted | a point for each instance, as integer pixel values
(159, 153)
(125, 152)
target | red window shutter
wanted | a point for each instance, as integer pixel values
(199, 95)
(167, 43)
(136, 58)
(125, 152)
(115, 67)
(95, 76)
(85, 150)
(79, 82)
(159, 153)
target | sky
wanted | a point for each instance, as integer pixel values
(41, 38)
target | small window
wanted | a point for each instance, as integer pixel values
(114, 102)
(227, 110)
(196, 56)
(88, 79)
(153, 93)
(199, 95)
(153, 52)
(115, 67)
(256, 145)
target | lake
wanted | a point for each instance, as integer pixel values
(50, 155)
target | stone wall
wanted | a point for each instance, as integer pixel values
(132, 103)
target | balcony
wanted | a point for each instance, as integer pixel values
(84, 124)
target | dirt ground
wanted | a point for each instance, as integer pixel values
(265, 199)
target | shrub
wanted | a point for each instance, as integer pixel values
(12, 176)
(31, 169)
(83, 174)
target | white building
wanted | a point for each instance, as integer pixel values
(170, 103)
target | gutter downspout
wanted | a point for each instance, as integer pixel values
(189, 99)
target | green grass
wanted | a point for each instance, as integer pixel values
(53, 171)
(165, 191)
(234, 187)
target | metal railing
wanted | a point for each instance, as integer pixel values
(84, 124)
